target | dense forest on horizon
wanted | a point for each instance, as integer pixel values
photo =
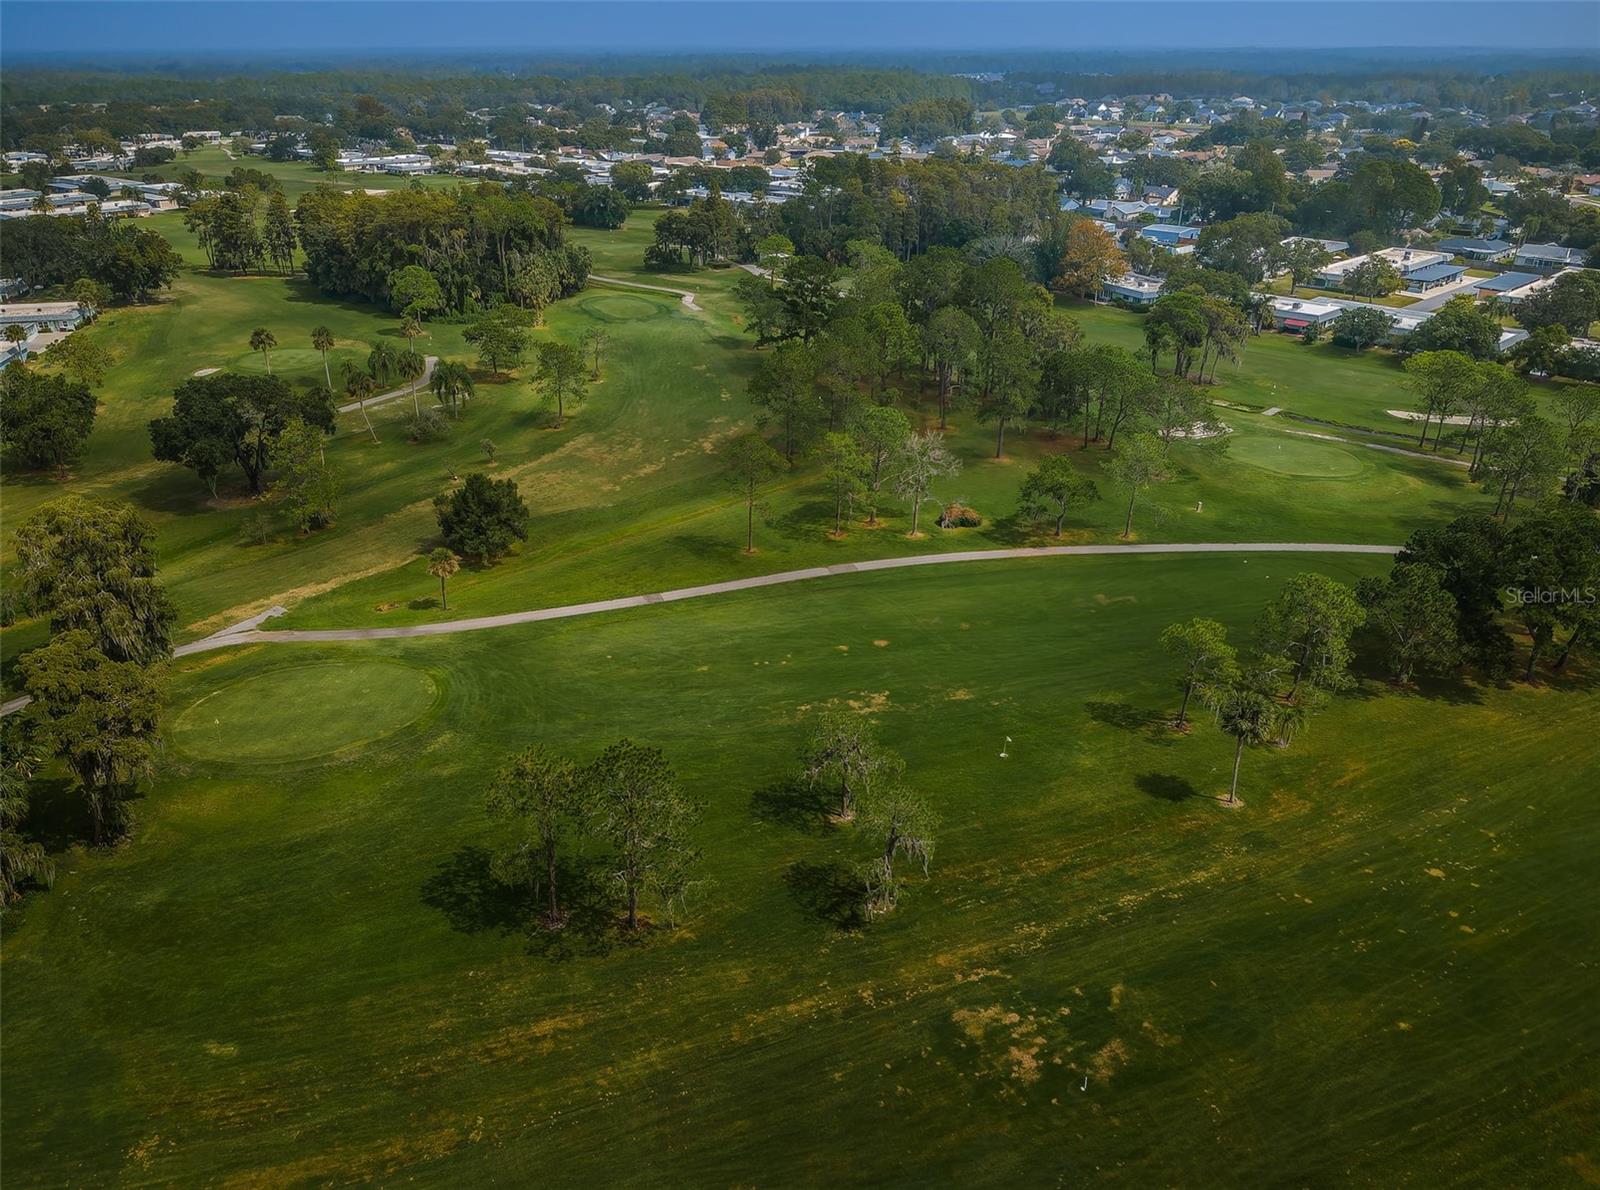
(241, 93)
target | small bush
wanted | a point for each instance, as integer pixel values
(256, 528)
(958, 516)
(428, 426)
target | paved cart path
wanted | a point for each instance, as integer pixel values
(684, 295)
(250, 632)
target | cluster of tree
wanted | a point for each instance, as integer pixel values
(131, 262)
(706, 232)
(96, 687)
(843, 755)
(1461, 325)
(909, 206)
(985, 337)
(1197, 329)
(483, 518)
(1515, 451)
(924, 121)
(1375, 196)
(1541, 215)
(45, 420)
(1301, 658)
(1571, 302)
(240, 232)
(229, 418)
(1453, 589)
(624, 811)
(481, 246)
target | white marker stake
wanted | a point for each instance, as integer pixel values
(1003, 748)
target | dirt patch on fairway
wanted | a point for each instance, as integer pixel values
(1011, 1040)
(1108, 1059)
(869, 704)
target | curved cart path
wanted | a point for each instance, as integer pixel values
(429, 364)
(248, 632)
(241, 634)
(684, 295)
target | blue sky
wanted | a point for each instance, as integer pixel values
(186, 28)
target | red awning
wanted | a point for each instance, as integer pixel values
(1299, 324)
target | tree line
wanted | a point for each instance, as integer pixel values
(1442, 611)
(481, 246)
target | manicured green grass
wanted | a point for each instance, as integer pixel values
(1314, 380)
(297, 177)
(627, 496)
(300, 973)
(265, 719)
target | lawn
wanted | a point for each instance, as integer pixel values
(296, 177)
(627, 497)
(300, 972)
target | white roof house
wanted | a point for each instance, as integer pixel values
(1132, 287)
(1405, 261)
(41, 316)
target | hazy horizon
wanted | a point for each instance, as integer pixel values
(97, 31)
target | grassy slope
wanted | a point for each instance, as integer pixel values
(1374, 972)
(627, 497)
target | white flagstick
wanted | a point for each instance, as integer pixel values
(1003, 748)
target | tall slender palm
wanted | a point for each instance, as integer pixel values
(359, 384)
(322, 341)
(411, 328)
(1252, 717)
(263, 340)
(452, 384)
(382, 364)
(411, 367)
(442, 564)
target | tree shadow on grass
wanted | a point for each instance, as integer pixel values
(829, 893)
(1376, 680)
(705, 547)
(1122, 715)
(804, 521)
(793, 803)
(473, 900)
(1012, 532)
(1156, 726)
(1167, 787)
(58, 815)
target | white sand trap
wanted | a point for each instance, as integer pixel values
(206, 371)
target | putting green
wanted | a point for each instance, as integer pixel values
(620, 307)
(284, 360)
(1297, 456)
(304, 712)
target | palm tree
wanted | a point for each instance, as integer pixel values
(442, 564)
(322, 341)
(410, 327)
(360, 385)
(410, 366)
(262, 340)
(17, 334)
(1251, 716)
(452, 384)
(381, 364)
